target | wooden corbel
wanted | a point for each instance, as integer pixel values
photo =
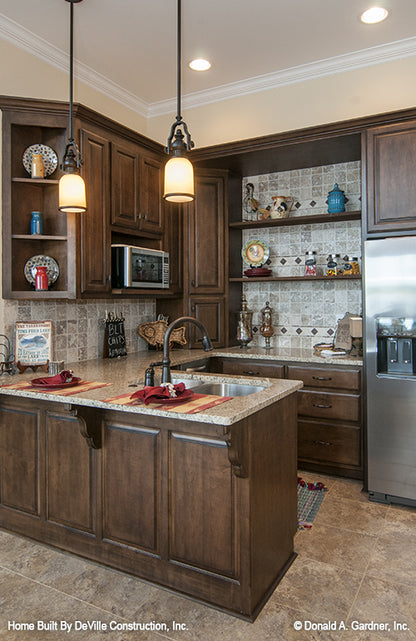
(90, 421)
(235, 439)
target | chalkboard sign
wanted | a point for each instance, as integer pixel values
(114, 337)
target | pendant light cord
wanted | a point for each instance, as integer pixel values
(71, 67)
(179, 61)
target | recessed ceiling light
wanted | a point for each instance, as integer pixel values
(199, 64)
(374, 15)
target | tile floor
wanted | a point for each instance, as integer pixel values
(357, 563)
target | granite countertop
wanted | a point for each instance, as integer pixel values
(127, 375)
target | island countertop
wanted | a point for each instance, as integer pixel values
(127, 375)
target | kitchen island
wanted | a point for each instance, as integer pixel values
(203, 503)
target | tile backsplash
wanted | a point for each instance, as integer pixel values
(305, 312)
(78, 328)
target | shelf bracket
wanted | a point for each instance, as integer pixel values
(90, 421)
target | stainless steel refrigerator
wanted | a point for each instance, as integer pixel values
(390, 368)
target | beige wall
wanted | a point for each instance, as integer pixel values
(362, 92)
(25, 75)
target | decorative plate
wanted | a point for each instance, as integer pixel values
(52, 268)
(36, 382)
(255, 253)
(49, 157)
(186, 395)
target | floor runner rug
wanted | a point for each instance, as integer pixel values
(310, 497)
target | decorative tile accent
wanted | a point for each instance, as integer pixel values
(283, 261)
(299, 331)
(297, 205)
(330, 332)
(283, 330)
(314, 331)
(312, 203)
(298, 260)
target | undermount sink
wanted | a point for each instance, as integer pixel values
(218, 389)
(227, 389)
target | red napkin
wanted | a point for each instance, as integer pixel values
(63, 377)
(149, 394)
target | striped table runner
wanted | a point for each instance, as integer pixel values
(197, 403)
(83, 386)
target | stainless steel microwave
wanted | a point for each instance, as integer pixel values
(139, 267)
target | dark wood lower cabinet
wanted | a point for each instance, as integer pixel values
(204, 509)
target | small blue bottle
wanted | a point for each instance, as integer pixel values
(36, 223)
(336, 200)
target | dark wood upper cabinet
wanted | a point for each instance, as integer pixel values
(391, 187)
(95, 255)
(207, 236)
(151, 188)
(125, 173)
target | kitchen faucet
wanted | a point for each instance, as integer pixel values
(206, 343)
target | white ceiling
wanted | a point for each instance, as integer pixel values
(128, 47)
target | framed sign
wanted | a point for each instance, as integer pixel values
(33, 343)
(114, 337)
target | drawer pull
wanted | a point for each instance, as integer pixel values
(323, 407)
(248, 373)
(325, 443)
(322, 378)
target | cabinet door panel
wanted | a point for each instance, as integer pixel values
(69, 473)
(19, 448)
(131, 473)
(207, 236)
(151, 195)
(202, 529)
(125, 174)
(95, 240)
(211, 312)
(391, 158)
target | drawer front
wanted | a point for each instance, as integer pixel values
(252, 368)
(345, 407)
(338, 444)
(326, 377)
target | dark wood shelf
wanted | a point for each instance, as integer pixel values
(40, 295)
(42, 182)
(298, 220)
(38, 237)
(287, 278)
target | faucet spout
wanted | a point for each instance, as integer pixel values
(206, 343)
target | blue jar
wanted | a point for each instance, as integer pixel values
(36, 223)
(336, 200)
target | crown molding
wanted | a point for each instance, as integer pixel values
(329, 66)
(33, 44)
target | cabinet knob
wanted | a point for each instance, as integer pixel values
(192, 283)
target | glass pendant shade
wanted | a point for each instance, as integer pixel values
(72, 198)
(179, 180)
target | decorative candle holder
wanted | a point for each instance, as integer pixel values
(245, 324)
(266, 328)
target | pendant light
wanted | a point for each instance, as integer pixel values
(179, 173)
(72, 197)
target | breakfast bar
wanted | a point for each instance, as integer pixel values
(203, 503)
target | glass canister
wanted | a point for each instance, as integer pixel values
(37, 169)
(332, 265)
(310, 263)
(245, 324)
(36, 223)
(351, 266)
(336, 200)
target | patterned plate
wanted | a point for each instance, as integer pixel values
(255, 253)
(52, 268)
(49, 157)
